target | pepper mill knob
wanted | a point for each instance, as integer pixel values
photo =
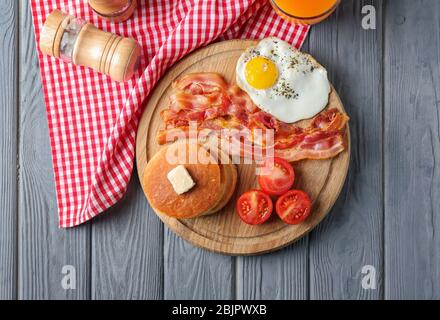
(81, 43)
(114, 10)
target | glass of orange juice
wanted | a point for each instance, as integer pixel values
(305, 11)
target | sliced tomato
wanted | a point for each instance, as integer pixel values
(254, 207)
(294, 206)
(278, 179)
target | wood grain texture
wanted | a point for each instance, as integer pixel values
(280, 275)
(412, 125)
(352, 235)
(44, 249)
(127, 250)
(348, 239)
(194, 273)
(224, 232)
(8, 147)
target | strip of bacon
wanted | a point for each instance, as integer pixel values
(317, 145)
(207, 100)
(330, 120)
(200, 83)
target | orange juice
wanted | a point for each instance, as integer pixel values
(305, 11)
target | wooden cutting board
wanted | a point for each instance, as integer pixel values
(224, 232)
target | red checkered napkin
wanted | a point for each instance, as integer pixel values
(92, 119)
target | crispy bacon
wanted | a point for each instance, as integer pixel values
(201, 83)
(317, 145)
(330, 120)
(187, 101)
(206, 99)
(240, 100)
(325, 133)
(263, 120)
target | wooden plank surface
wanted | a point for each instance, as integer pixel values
(194, 273)
(8, 147)
(127, 249)
(278, 275)
(351, 236)
(44, 249)
(128, 254)
(412, 176)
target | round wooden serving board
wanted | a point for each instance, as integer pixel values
(224, 232)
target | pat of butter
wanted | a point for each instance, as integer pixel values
(180, 179)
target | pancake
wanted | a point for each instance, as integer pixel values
(230, 184)
(224, 178)
(203, 197)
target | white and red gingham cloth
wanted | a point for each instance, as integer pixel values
(93, 120)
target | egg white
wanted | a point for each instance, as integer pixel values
(302, 88)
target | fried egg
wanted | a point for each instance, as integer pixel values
(284, 82)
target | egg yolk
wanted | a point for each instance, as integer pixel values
(261, 73)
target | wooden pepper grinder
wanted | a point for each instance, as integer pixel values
(79, 42)
(114, 10)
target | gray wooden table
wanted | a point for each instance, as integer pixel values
(388, 215)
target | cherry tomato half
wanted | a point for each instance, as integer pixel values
(254, 207)
(280, 178)
(294, 206)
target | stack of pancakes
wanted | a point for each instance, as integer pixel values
(215, 180)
